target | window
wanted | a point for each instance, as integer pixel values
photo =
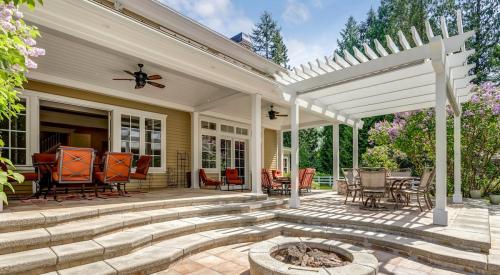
(208, 125)
(208, 152)
(227, 129)
(13, 133)
(153, 140)
(131, 136)
(241, 131)
(225, 155)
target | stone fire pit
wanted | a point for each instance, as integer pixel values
(262, 262)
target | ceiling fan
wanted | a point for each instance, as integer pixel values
(141, 78)
(272, 114)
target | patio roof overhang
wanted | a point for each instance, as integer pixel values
(109, 40)
(388, 79)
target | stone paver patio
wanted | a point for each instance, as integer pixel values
(233, 260)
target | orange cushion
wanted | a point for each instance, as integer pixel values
(68, 178)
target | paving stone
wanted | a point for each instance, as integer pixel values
(147, 260)
(97, 268)
(67, 214)
(188, 243)
(123, 242)
(74, 252)
(23, 240)
(80, 230)
(29, 261)
(20, 220)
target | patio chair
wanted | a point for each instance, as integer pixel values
(232, 178)
(43, 164)
(208, 181)
(423, 188)
(307, 179)
(116, 171)
(276, 174)
(73, 167)
(268, 182)
(352, 185)
(141, 171)
(372, 183)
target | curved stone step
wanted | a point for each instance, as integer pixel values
(15, 221)
(469, 240)
(87, 229)
(160, 255)
(119, 243)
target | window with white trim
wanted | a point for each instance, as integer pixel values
(242, 131)
(13, 133)
(131, 136)
(208, 125)
(153, 140)
(208, 152)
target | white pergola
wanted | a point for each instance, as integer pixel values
(387, 80)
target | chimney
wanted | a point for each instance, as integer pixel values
(243, 39)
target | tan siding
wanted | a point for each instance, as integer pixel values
(270, 149)
(178, 124)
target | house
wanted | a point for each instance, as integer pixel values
(215, 89)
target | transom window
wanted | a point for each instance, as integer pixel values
(227, 128)
(13, 133)
(208, 125)
(242, 131)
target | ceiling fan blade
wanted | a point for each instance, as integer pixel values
(281, 115)
(154, 77)
(129, 72)
(123, 79)
(158, 85)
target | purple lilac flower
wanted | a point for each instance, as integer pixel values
(474, 99)
(468, 113)
(496, 109)
(30, 64)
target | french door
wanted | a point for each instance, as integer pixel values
(233, 154)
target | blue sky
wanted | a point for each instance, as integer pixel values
(310, 27)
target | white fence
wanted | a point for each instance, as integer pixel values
(324, 180)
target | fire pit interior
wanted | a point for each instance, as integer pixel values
(304, 255)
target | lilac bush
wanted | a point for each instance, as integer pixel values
(413, 133)
(17, 50)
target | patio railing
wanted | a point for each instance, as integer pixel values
(324, 180)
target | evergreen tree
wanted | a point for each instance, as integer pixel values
(483, 16)
(350, 37)
(368, 28)
(279, 52)
(262, 35)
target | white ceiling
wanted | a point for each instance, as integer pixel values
(69, 60)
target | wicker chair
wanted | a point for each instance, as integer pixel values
(268, 182)
(372, 184)
(352, 185)
(423, 188)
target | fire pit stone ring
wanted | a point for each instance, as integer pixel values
(262, 263)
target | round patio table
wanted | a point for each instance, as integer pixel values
(392, 184)
(286, 182)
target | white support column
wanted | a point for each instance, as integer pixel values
(440, 214)
(336, 152)
(355, 154)
(457, 160)
(294, 161)
(195, 147)
(256, 144)
(280, 150)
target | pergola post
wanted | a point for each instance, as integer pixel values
(294, 162)
(195, 147)
(457, 159)
(355, 154)
(440, 214)
(256, 143)
(280, 150)
(335, 154)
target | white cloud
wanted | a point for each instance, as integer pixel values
(295, 12)
(219, 15)
(300, 52)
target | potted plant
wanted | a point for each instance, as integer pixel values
(475, 193)
(494, 192)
